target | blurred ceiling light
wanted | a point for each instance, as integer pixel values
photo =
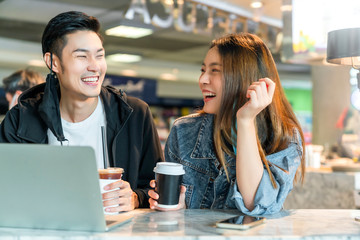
(129, 73)
(128, 32)
(169, 2)
(168, 76)
(256, 4)
(126, 58)
(37, 63)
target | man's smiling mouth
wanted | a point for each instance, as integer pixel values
(90, 79)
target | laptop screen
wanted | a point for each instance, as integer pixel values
(50, 187)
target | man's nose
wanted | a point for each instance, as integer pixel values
(94, 65)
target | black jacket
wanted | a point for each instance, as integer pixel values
(132, 138)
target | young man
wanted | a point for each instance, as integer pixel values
(72, 106)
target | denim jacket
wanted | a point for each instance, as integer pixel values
(190, 143)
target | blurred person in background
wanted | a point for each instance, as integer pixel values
(243, 150)
(18, 82)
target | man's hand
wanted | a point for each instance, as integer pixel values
(121, 194)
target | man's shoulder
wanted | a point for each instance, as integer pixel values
(136, 102)
(30, 100)
(33, 94)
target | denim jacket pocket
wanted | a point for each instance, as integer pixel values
(188, 194)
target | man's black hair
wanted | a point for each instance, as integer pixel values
(54, 35)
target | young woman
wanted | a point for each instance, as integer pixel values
(244, 148)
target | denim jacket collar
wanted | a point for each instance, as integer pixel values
(203, 148)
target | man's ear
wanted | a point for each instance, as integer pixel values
(55, 62)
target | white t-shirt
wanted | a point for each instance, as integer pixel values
(85, 133)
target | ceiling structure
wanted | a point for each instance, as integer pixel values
(166, 54)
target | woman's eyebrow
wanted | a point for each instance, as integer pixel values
(212, 64)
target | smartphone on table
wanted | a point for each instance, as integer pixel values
(241, 222)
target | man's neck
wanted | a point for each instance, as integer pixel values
(77, 111)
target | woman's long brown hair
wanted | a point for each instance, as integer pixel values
(245, 59)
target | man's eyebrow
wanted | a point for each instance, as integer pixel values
(86, 50)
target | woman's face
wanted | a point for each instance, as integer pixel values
(210, 81)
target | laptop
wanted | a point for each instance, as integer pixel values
(52, 187)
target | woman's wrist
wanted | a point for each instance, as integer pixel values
(245, 122)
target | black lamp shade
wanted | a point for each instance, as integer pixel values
(343, 46)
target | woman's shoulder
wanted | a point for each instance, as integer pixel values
(191, 120)
(296, 136)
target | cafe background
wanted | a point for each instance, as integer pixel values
(162, 66)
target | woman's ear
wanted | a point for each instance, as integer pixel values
(55, 62)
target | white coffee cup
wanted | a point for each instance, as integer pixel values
(107, 176)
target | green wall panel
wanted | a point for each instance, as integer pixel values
(300, 99)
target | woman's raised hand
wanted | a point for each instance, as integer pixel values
(260, 95)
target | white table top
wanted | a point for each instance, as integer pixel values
(200, 224)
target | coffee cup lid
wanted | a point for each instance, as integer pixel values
(169, 168)
(111, 170)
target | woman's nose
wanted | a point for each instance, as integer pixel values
(204, 78)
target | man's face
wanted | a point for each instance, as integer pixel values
(83, 66)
